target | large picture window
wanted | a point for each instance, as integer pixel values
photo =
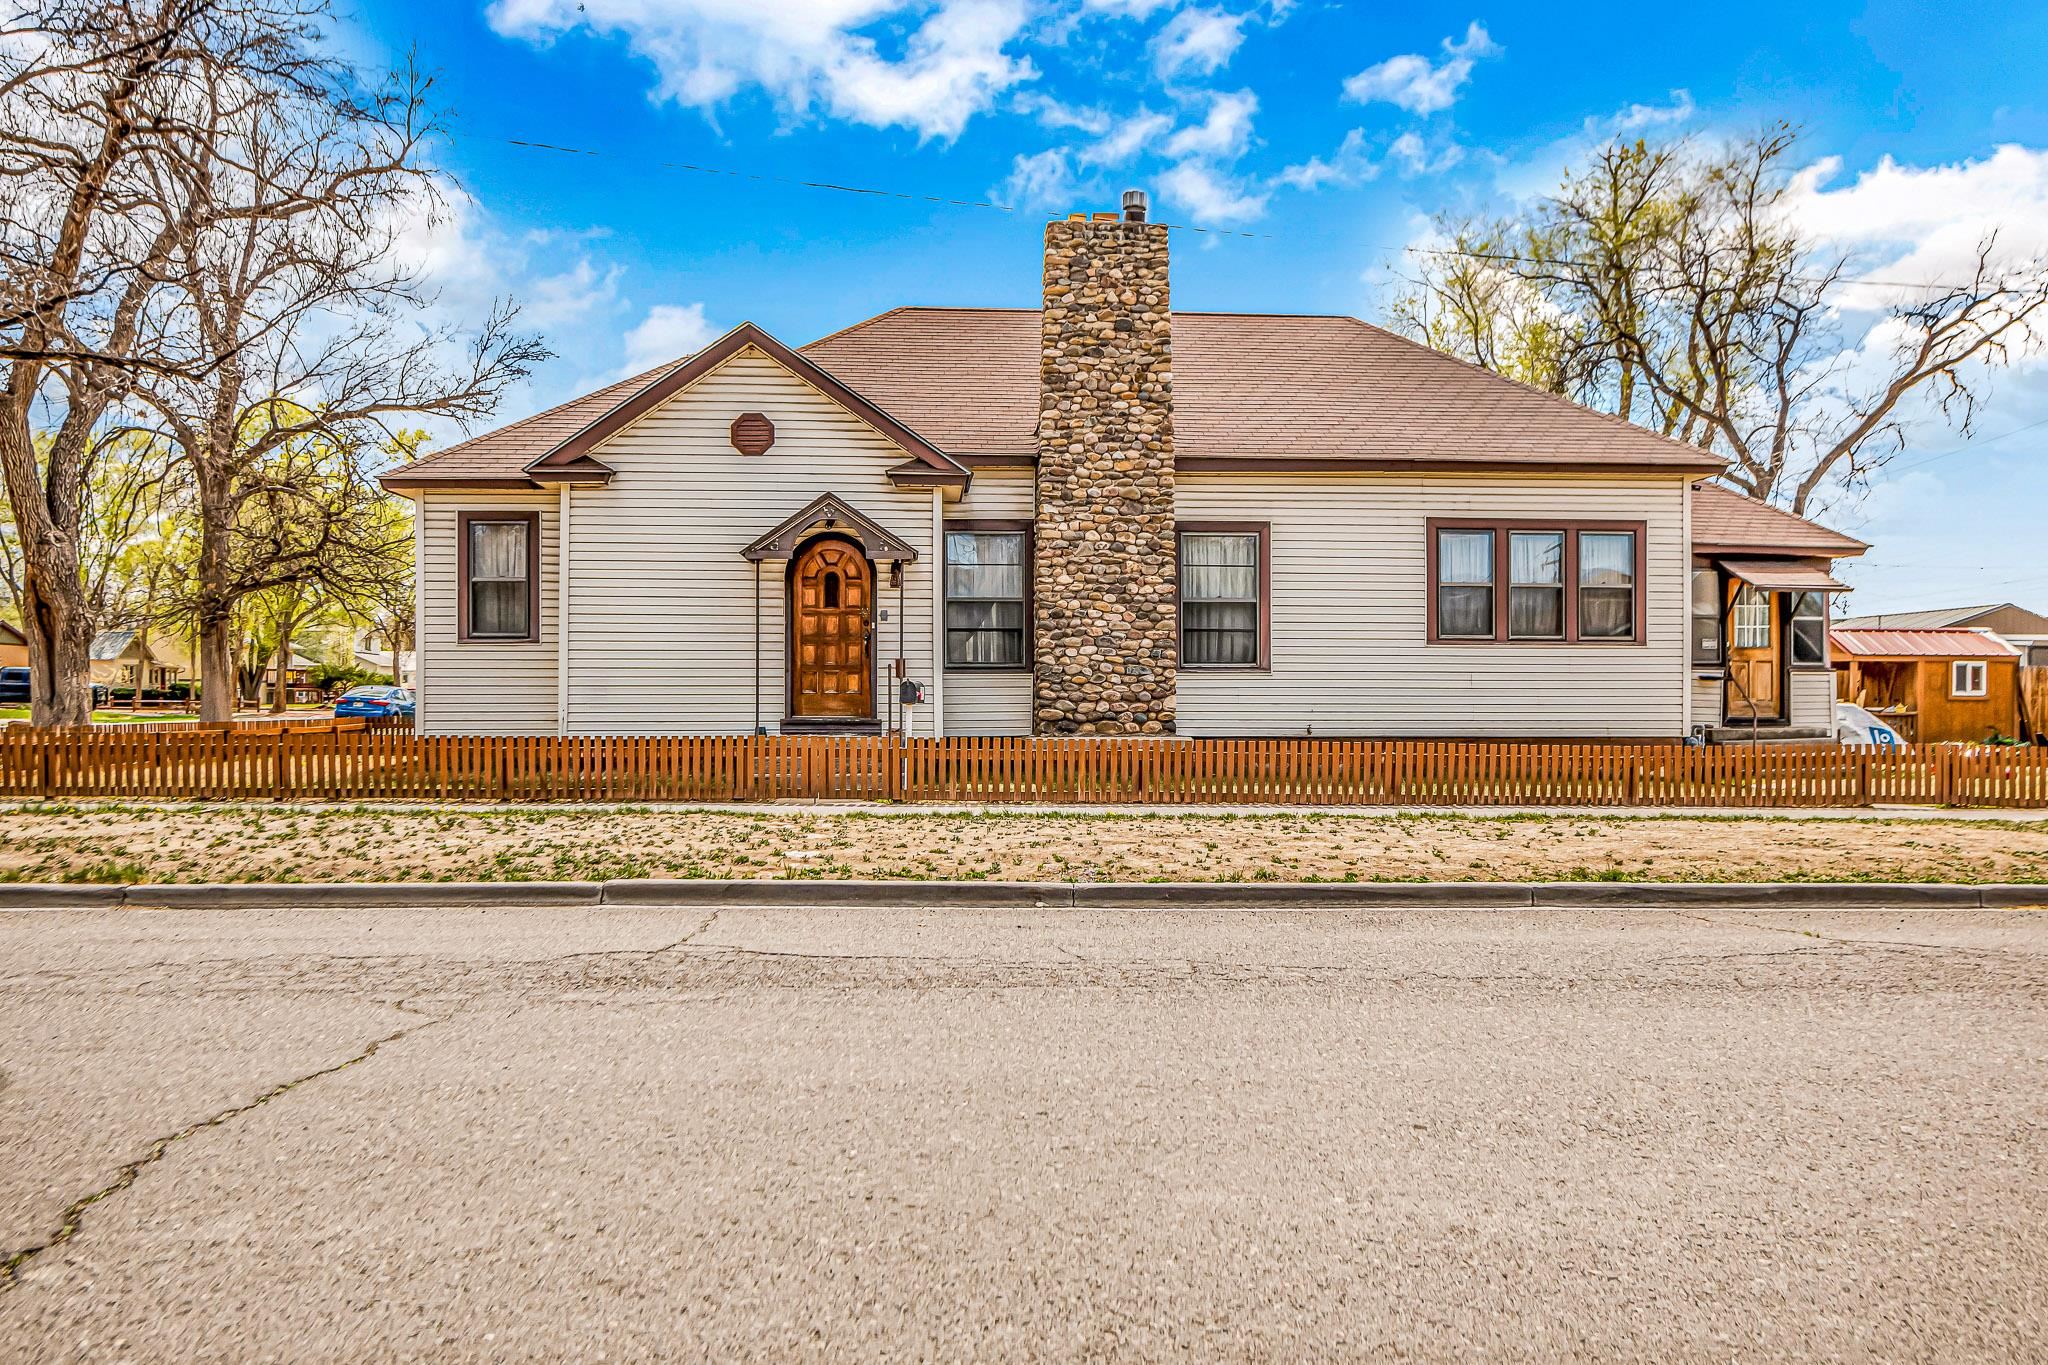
(988, 597)
(500, 574)
(1223, 572)
(1535, 582)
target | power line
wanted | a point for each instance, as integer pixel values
(1510, 258)
(835, 187)
(1932, 456)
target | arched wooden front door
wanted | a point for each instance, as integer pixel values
(831, 662)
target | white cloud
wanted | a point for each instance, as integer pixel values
(1416, 157)
(1636, 116)
(1042, 180)
(807, 54)
(1352, 165)
(1223, 133)
(1211, 197)
(1419, 85)
(1197, 42)
(670, 331)
(1136, 9)
(1126, 138)
(1919, 223)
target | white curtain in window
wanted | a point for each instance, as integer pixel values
(1219, 589)
(985, 564)
(1752, 618)
(498, 566)
(1607, 577)
(1536, 585)
(1464, 557)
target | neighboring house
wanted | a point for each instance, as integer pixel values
(1098, 517)
(13, 646)
(373, 652)
(119, 657)
(1932, 685)
(2026, 631)
(1759, 637)
(298, 681)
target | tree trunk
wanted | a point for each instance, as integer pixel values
(59, 649)
(218, 685)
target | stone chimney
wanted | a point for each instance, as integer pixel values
(1106, 612)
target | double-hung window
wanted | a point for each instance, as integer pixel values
(1464, 584)
(1534, 583)
(988, 584)
(500, 576)
(1223, 573)
(1607, 585)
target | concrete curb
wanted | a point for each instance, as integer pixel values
(356, 895)
(814, 894)
(1159, 896)
(60, 896)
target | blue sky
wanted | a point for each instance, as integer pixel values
(1319, 137)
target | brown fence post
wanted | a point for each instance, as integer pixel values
(1863, 777)
(504, 752)
(277, 770)
(1944, 776)
(43, 765)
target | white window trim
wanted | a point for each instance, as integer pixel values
(1961, 672)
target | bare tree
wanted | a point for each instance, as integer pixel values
(1674, 286)
(296, 333)
(94, 96)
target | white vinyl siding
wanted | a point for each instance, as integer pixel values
(1813, 698)
(1350, 597)
(662, 632)
(484, 687)
(981, 702)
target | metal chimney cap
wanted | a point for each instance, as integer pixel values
(1134, 206)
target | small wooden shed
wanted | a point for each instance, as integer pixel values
(13, 646)
(1931, 685)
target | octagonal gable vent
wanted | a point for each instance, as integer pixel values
(752, 433)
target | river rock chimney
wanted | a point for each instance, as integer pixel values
(1106, 627)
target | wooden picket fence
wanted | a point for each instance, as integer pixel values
(345, 762)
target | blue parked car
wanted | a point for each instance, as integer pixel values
(372, 702)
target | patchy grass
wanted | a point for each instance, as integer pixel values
(229, 843)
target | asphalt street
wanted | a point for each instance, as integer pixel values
(892, 1134)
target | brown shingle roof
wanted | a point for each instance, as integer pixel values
(1725, 521)
(1246, 386)
(1267, 390)
(505, 453)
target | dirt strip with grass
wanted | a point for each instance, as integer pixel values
(230, 843)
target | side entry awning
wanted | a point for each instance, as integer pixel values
(1785, 575)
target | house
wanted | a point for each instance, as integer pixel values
(1758, 642)
(1100, 516)
(13, 646)
(119, 657)
(1932, 685)
(298, 680)
(2026, 631)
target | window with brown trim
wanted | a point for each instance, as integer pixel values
(1706, 614)
(988, 595)
(1225, 612)
(1809, 630)
(1535, 582)
(500, 575)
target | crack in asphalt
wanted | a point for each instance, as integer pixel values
(73, 1218)
(1892, 943)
